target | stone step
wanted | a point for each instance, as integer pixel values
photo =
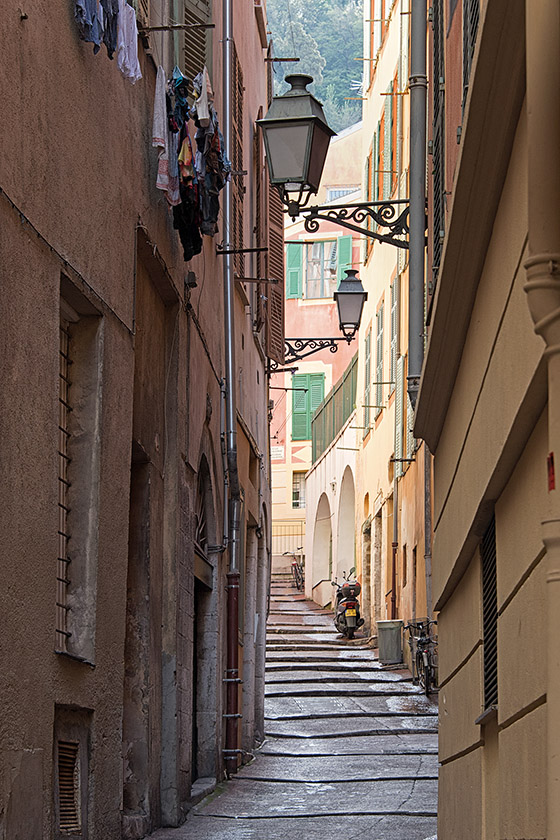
(253, 799)
(353, 767)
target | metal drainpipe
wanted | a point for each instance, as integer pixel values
(543, 292)
(418, 87)
(232, 715)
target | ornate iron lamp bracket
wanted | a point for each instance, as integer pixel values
(296, 349)
(364, 218)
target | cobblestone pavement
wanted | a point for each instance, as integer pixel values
(350, 749)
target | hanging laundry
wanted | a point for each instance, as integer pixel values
(166, 139)
(213, 170)
(204, 97)
(89, 18)
(127, 43)
(110, 24)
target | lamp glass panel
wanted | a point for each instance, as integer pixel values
(319, 149)
(287, 149)
(350, 308)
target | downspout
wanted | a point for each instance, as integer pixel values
(543, 291)
(418, 96)
(232, 715)
(418, 84)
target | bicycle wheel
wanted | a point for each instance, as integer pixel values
(299, 577)
(421, 670)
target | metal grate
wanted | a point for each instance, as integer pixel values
(63, 561)
(69, 797)
(490, 615)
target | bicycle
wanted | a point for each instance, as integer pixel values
(423, 646)
(297, 569)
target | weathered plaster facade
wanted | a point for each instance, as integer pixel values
(132, 702)
(487, 410)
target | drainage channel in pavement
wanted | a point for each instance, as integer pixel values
(350, 748)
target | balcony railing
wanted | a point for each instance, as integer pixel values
(334, 411)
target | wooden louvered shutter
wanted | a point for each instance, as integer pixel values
(237, 187)
(275, 271)
(300, 406)
(388, 143)
(379, 360)
(294, 269)
(195, 43)
(142, 12)
(490, 615)
(317, 394)
(394, 331)
(258, 175)
(438, 147)
(399, 417)
(367, 381)
(344, 257)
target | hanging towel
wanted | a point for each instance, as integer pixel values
(205, 95)
(127, 43)
(159, 126)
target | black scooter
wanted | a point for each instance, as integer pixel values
(347, 609)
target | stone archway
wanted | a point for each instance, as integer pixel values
(346, 526)
(322, 553)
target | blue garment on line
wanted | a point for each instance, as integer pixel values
(89, 22)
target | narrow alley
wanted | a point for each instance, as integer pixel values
(350, 748)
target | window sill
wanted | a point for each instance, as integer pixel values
(75, 657)
(488, 715)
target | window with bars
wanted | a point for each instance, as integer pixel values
(196, 39)
(298, 490)
(77, 441)
(490, 614)
(379, 360)
(471, 13)
(63, 560)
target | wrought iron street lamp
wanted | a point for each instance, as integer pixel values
(296, 138)
(350, 298)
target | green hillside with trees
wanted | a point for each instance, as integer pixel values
(326, 35)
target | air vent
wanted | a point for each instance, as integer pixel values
(70, 818)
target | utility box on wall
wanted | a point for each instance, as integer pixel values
(389, 635)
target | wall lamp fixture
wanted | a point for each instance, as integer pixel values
(296, 138)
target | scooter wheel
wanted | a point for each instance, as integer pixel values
(350, 632)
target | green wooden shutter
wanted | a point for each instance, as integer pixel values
(398, 417)
(316, 391)
(294, 269)
(379, 360)
(388, 143)
(344, 257)
(378, 162)
(300, 407)
(410, 441)
(367, 380)
(394, 331)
